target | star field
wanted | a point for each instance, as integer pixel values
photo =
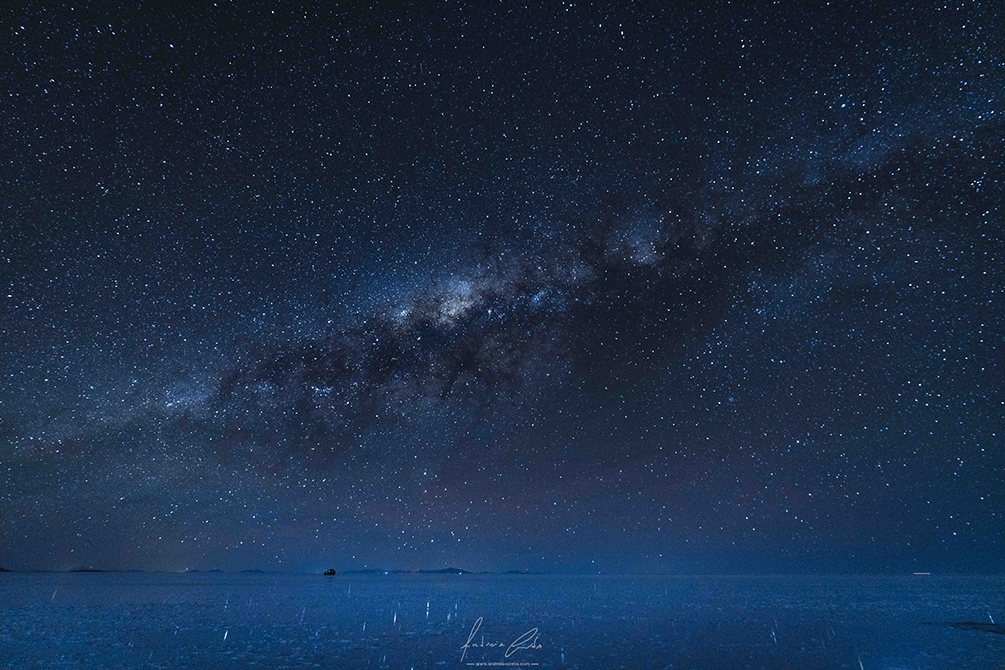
(569, 288)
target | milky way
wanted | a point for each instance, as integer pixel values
(561, 290)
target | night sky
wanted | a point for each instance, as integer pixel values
(570, 288)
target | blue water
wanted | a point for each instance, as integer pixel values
(135, 620)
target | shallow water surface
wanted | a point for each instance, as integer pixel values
(140, 620)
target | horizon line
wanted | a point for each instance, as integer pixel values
(462, 571)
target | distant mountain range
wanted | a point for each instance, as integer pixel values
(379, 571)
(368, 571)
(443, 571)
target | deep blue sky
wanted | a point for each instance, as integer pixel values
(570, 288)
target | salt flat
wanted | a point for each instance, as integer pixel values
(148, 620)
